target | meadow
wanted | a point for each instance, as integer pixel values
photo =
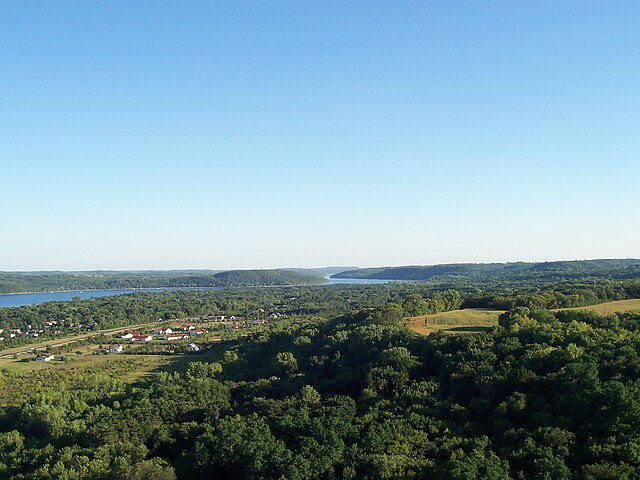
(608, 308)
(468, 320)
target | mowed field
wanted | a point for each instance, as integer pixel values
(472, 320)
(469, 320)
(611, 307)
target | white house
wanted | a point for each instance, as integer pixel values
(141, 338)
(161, 331)
(192, 347)
(175, 336)
(115, 349)
(45, 357)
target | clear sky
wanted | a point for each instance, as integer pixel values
(265, 134)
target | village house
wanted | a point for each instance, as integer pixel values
(45, 357)
(115, 349)
(141, 338)
(175, 336)
(196, 332)
(192, 347)
(161, 331)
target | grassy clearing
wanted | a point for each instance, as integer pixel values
(469, 320)
(611, 307)
(74, 362)
(18, 378)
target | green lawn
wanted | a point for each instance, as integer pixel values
(469, 320)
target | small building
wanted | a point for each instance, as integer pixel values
(127, 336)
(141, 338)
(233, 326)
(192, 347)
(45, 357)
(175, 336)
(196, 332)
(260, 321)
(162, 331)
(115, 349)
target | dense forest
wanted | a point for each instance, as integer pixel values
(14, 282)
(517, 271)
(337, 388)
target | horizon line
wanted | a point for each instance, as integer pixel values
(208, 269)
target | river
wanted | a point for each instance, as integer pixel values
(20, 299)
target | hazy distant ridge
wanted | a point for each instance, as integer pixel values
(613, 268)
(14, 282)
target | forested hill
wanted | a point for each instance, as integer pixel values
(562, 270)
(14, 282)
(243, 278)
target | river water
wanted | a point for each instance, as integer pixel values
(20, 299)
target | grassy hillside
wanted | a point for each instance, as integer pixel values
(612, 307)
(469, 320)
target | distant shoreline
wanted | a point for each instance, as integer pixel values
(160, 288)
(103, 290)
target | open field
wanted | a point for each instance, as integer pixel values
(84, 361)
(611, 307)
(127, 368)
(469, 320)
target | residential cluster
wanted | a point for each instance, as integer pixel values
(164, 333)
(49, 328)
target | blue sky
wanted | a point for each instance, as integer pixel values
(269, 134)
